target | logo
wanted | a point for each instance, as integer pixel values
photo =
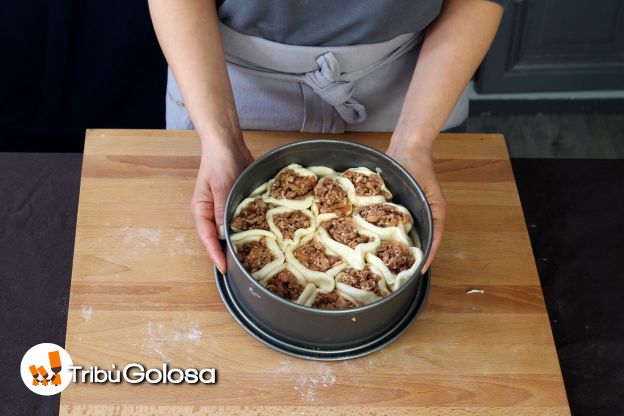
(45, 369)
(135, 373)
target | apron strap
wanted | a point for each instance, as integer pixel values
(332, 85)
(335, 90)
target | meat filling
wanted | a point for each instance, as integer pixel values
(254, 255)
(331, 198)
(289, 222)
(289, 185)
(332, 300)
(366, 185)
(252, 217)
(361, 279)
(313, 256)
(383, 215)
(286, 285)
(344, 231)
(396, 256)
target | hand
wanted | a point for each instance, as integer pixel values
(220, 167)
(418, 161)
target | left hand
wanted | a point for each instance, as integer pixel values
(222, 161)
(418, 161)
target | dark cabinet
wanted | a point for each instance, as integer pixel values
(556, 45)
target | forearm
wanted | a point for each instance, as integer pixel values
(188, 32)
(453, 48)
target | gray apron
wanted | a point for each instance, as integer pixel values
(323, 89)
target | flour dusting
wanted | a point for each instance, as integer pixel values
(184, 251)
(176, 333)
(284, 367)
(181, 248)
(162, 354)
(86, 312)
(461, 255)
(309, 384)
(142, 236)
(194, 334)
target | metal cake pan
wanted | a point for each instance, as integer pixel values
(310, 328)
(321, 354)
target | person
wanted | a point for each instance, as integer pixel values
(318, 66)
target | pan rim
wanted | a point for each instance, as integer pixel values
(318, 354)
(426, 245)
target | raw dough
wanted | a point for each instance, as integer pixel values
(269, 239)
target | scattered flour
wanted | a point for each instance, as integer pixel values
(284, 367)
(147, 237)
(142, 236)
(187, 331)
(194, 333)
(162, 354)
(307, 385)
(160, 334)
(460, 255)
(349, 366)
(86, 312)
(181, 248)
(184, 251)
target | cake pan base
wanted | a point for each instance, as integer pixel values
(319, 354)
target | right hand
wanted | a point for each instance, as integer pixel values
(418, 161)
(416, 155)
(220, 167)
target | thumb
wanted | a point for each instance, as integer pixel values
(220, 198)
(438, 211)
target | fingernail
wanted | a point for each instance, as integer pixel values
(220, 270)
(221, 232)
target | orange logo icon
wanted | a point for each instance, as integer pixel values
(55, 366)
(45, 369)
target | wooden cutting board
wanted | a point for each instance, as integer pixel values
(143, 291)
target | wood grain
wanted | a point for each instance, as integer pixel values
(143, 291)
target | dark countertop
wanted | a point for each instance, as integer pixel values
(573, 210)
(38, 206)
